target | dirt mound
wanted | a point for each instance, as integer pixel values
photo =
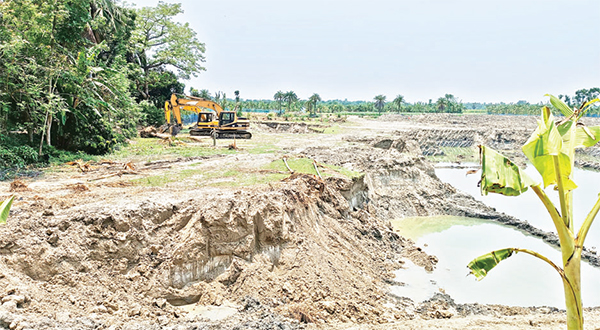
(303, 248)
(18, 186)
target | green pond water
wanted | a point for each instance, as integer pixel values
(519, 281)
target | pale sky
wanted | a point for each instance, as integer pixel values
(478, 50)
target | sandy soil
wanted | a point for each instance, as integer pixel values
(89, 247)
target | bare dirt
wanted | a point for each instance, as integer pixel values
(89, 247)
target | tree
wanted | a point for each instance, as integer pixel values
(160, 43)
(441, 104)
(290, 97)
(379, 102)
(551, 150)
(237, 101)
(399, 101)
(312, 104)
(278, 98)
(221, 99)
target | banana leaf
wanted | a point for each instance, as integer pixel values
(560, 105)
(500, 175)
(5, 209)
(546, 144)
(482, 265)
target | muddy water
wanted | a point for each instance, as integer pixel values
(527, 206)
(520, 281)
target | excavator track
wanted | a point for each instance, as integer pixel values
(233, 135)
(200, 132)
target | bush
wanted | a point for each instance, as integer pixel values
(13, 153)
(151, 114)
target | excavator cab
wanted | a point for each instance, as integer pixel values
(205, 117)
(226, 118)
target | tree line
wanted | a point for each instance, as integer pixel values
(289, 102)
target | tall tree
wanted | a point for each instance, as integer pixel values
(441, 104)
(205, 94)
(379, 102)
(278, 97)
(399, 102)
(290, 97)
(312, 104)
(237, 100)
(160, 43)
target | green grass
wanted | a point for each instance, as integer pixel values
(262, 148)
(343, 171)
(301, 165)
(334, 129)
(163, 179)
(153, 149)
(456, 154)
(234, 176)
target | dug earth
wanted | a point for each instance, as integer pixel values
(87, 249)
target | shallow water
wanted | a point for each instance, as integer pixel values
(528, 206)
(520, 281)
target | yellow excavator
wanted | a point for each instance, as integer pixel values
(212, 119)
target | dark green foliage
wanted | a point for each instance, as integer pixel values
(14, 152)
(68, 71)
(152, 115)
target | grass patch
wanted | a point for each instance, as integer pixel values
(343, 171)
(262, 148)
(234, 176)
(300, 165)
(153, 149)
(163, 179)
(456, 154)
(334, 129)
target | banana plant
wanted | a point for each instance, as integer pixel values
(551, 150)
(5, 209)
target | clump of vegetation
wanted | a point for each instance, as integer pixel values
(551, 150)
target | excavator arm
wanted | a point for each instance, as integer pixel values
(176, 113)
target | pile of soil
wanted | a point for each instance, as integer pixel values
(304, 248)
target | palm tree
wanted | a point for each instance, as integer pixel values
(312, 104)
(278, 98)
(442, 103)
(399, 101)
(237, 99)
(205, 94)
(111, 13)
(379, 102)
(290, 97)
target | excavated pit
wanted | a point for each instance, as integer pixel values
(302, 249)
